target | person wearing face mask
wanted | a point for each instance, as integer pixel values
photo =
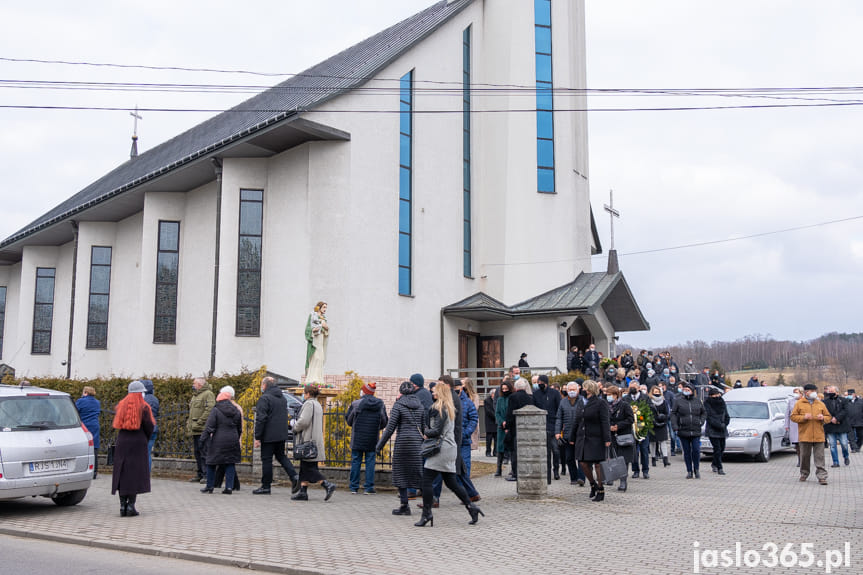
(855, 420)
(687, 417)
(517, 400)
(837, 427)
(591, 362)
(659, 435)
(563, 427)
(500, 408)
(592, 437)
(717, 427)
(689, 371)
(790, 426)
(809, 414)
(620, 421)
(642, 448)
(548, 398)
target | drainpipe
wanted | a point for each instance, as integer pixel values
(217, 166)
(442, 372)
(72, 303)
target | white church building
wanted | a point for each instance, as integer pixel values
(430, 183)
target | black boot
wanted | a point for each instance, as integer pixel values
(426, 518)
(330, 487)
(665, 462)
(499, 471)
(593, 489)
(622, 486)
(653, 461)
(600, 495)
(301, 495)
(130, 507)
(475, 512)
(124, 505)
(405, 509)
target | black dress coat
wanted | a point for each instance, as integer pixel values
(517, 400)
(717, 416)
(661, 414)
(222, 434)
(131, 474)
(621, 415)
(406, 419)
(592, 430)
(271, 416)
(488, 405)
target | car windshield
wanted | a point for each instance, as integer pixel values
(37, 412)
(747, 410)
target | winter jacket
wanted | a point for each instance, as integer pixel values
(222, 434)
(627, 362)
(425, 397)
(854, 412)
(366, 417)
(717, 417)
(469, 418)
(152, 401)
(837, 406)
(501, 407)
(488, 413)
(592, 430)
(687, 416)
(810, 430)
(661, 416)
(89, 409)
(517, 400)
(566, 417)
(406, 417)
(271, 416)
(440, 425)
(310, 426)
(547, 398)
(200, 405)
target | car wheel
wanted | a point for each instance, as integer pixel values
(764, 454)
(69, 498)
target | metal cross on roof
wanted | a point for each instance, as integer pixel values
(612, 213)
(137, 117)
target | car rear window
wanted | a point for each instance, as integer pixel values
(26, 413)
(747, 410)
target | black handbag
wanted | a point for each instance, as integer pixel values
(431, 446)
(614, 467)
(307, 450)
(625, 439)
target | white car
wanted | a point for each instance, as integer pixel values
(44, 448)
(757, 425)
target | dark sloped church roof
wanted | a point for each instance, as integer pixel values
(332, 77)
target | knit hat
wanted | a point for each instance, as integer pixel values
(137, 387)
(229, 390)
(406, 388)
(370, 388)
(418, 380)
(543, 378)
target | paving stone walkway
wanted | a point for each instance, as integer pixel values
(652, 528)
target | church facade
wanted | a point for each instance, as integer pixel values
(429, 183)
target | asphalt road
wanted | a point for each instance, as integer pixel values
(22, 556)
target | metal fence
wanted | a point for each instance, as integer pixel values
(173, 443)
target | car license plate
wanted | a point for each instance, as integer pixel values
(49, 466)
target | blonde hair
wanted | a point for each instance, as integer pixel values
(468, 388)
(89, 390)
(444, 400)
(591, 387)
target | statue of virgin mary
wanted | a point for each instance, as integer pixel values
(317, 334)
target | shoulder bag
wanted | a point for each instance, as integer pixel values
(307, 450)
(430, 446)
(624, 439)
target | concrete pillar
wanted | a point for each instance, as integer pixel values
(531, 446)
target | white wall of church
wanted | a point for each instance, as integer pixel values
(10, 276)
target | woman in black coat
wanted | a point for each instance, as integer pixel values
(406, 418)
(221, 437)
(134, 423)
(488, 405)
(717, 427)
(620, 420)
(659, 435)
(687, 417)
(592, 438)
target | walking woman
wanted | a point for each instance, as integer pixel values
(687, 417)
(592, 437)
(620, 419)
(222, 437)
(500, 408)
(134, 423)
(309, 426)
(440, 423)
(564, 423)
(717, 426)
(659, 436)
(406, 417)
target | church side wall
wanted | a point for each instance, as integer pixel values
(10, 276)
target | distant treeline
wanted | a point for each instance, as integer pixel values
(841, 351)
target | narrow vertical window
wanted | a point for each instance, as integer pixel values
(466, 153)
(544, 98)
(249, 263)
(405, 182)
(43, 311)
(100, 288)
(167, 277)
(2, 316)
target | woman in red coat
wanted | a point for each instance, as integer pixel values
(134, 422)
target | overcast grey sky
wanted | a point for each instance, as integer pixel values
(679, 177)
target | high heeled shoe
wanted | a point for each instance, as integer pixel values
(593, 489)
(405, 509)
(426, 518)
(600, 496)
(475, 512)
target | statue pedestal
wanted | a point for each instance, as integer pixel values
(324, 394)
(531, 447)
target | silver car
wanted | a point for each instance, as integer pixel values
(44, 448)
(757, 425)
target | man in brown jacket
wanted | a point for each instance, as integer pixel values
(809, 413)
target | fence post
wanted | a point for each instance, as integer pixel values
(531, 449)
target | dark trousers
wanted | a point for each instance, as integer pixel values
(855, 437)
(691, 452)
(642, 449)
(452, 483)
(513, 460)
(220, 475)
(718, 444)
(575, 472)
(490, 439)
(275, 449)
(552, 455)
(199, 458)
